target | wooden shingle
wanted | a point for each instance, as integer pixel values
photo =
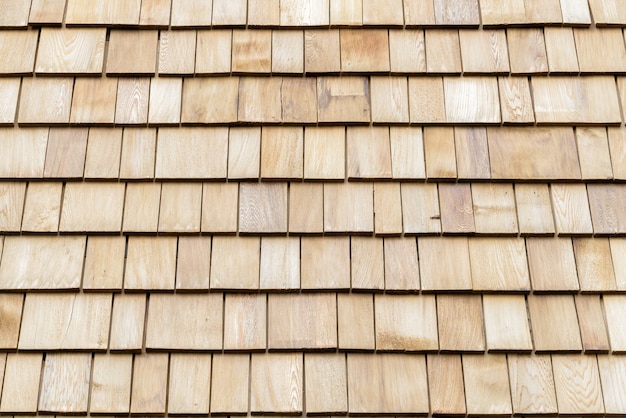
(21, 382)
(260, 100)
(368, 152)
(132, 52)
(443, 51)
(322, 51)
(194, 263)
(527, 51)
(420, 208)
(614, 309)
(102, 160)
(149, 388)
(245, 322)
(94, 101)
(306, 208)
(344, 99)
(426, 100)
(617, 147)
(235, 262)
(138, 153)
(577, 382)
(593, 331)
(24, 152)
(244, 152)
(11, 205)
(228, 13)
(349, 207)
(326, 383)
(189, 383)
(46, 100)
(506, 323)
(507, 267)
(595, 162)
(390, 102)
(457, 212)
(561, 49)
(355, 321)
(364, 50)
(534, 210)
(460, 323)
(213, 51)
(288, 51)
(180, 208)
(8, 103)
(325, 262)
(484, 51)
(104, 263)
(43, 11)
(219, 207)
(532, 384)
(612, 372)
(165, 101)
(18, 49)
(324, 153)
(618, 250)
(71, 51)
(304, 12)
(444, 263)
(487, 388)
(79, 199)
(439, 151)
(346, 13)
(600, 50)
(571, 209)
(494, 208)
(263, 208)
(407, 153)
(606, 206)
(65, 155)
(230, 382)
(155, 12)
(407, 53)
(299, 100)
(141, 207)
(382, 13)
(150, 263)
(62, 370)
(128, 322)
(471, 100)
(276, 383)
(200, 103)
(445, 384)
(401, 264)
(387, 209)
(280, 263)
(594, 264)
(472, 152)
(551, 263)
(252, 51)
(190, 13)
(111, 383)
(282, 152)
(12, 315)
(554, 323)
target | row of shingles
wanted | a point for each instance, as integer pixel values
(188, 52)
(313, 208)
(315, 153)
(314, 263)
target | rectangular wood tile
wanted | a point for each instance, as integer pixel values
(260, 100)
(199, 104)
(343, 99)
(94, 101)
(527, 51)
(445, 384)
(11, 205)
(617, 148)
(219, 207)
(355, 321)
(226, 12)
(252, 51)
(79, 199)
(460, 323)
(230, 382)
(534, 210)
(276, 383)
(65, 155)
(111, 383)
(191, 13)
(486, 384)
(576, 12)
(552, 265)
(420, 208)
(444, 263)
(132, 100)
(406, 322)
(571, 209)
(577, 382)
(325, 262)
(387, 209)
(368, 152)
(11, 318)
(387, 13)
(18, 49)
(24, 152)
(364, 50)
(607, 13)
(165, 100)
(138, 153)
(600, 50)
(54, 321)
(213, 51)
(484, 51)
(306, 208)
(390, 102)
(506, 323)
(102, 160)
(127, 322)
(299, 100)
(472, 153)
(426, 100)
(40, 95)
(457, 214)
(494, 208)
(326, 383)
(264, 12)
(407, 153)
(618, 251)
(554, 323)
(594, 264)
(612, 372)
(322, 51)
(280, 263)
(443, 51)
(21, 382)
(367, 265)
(532, 384)
(561, 49)
(407, 50)
(177, 51)
(304, 13)
(42, 262)
(282, 152)
(103, 12)
(244, 152)
(456, 13)
(507, 268)
(104, 263)
(245, 322)
(401, 265)
(471, 100)
(595, 161)
(141, 207)
(348, 13)
(614, 309)
(515, 100)
(63, 370)
(149, 389)
(14, 14)
(8, 103)
(150, 263)
(132, 52)
(418, 12)
(348, 207)
(235, 262)
(439, 150)
(194, 263)
(324, 153)
(593, 329)
(181, 205)
(605, 201)
(189, 384)
(405, 389)
(299, 321)
(71, 50)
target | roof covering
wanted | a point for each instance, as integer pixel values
(316, 207)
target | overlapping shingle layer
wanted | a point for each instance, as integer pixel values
(320, 207)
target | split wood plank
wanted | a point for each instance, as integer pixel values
(46, 100)
(322, 51)
(457, 213)
(8, 102)
(127, 322)
(165, 100)
(383, 13)
(230, 382)
(302, 321)
(304, 13)
(194, 263)
(141, 207)
(355, 321)
(189, 384)
(534, 210)
(229, 13)
(47, 12)
(94, 101)
(132, 52)
(551, 263)
(600, 50)
(472, 152)
(582, 100)
(401, 264)
(150, 263)
(343, 99)
(506, 323)
(306, 208)
(104, 263)
(606, 202)
(79, 199)
(104, 147)
(426, 100)
(533, 153)
(445, 384)
(213, 51)
(111, 383)
(407, 50)
(595, 162)
(448, 12)
(612, 372)
(367, 265)
(11, 311)
(349, 207)
(18, 50)
(405, 384)
(42, 262)
(149, 388)
(71, 50)
(192, 153)
(260, 100)
(390, 100)
(439, 150)
(484, 51)
(21, 382)
(617, 147)
(138, 153)
(577, 381)
(608, 12)
(507, 268)
(420, 208)
(407, 153)
(42, 207)
(155, 12)
(55, 321)
(219, 207)
(180, 208)
(593, 330)
(615, 309)
(245, 324)
(368, 152)
(554, 323)
(282, 154)
(515, 100)
(280, 263)
(325, 262)
(406, 323)
(12, 197)
(276, 383)
(324, 153)
(527, 51)
(61, 372)
(494, 208)
(192, 13)
(15, 14)
(471, 100)
(185, 322)
(103, 12)
(618, 252)
(594, 265)
(235, 262)
(571, 209)
(576, 12)
(487, 388)
(65, 156)
(364, 50)
(325, 383)
(210, 100)
(444, 263)
(252, 51)
(346, 13)
(443, 51)
(244, 152)
(387, 209)
(288, 52)
(532, 384)
(299, 100)
(561, 49)
(460, 323)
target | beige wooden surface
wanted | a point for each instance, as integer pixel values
(150, 263)
(571, 209)
(457, 209)
(149, 388)
(444, 263)
(276, 383)
(111, 383)
(219, 207)
(420, 208)
(486, 384)
(21, 382)
(508, 269)
(405, 322)
(11, 309)
(325, 383)
(132, 52)
(189, 384)
(65, 155)
(577, 381)
(355, 321)
(280, 263)
(348, 207)
(460, 323)
(128, 322)
(65, 383)
(103, 153)
(367, 263)
(132, 100)
(325, 262)
(554, 323)
(194, 263)
(494, 208)
(368, 152)
(230, 383)
(532, 384)
(594, 264)
(245, 322)
(104, 263)
(506, 323)
(387, 209)
(401, 264)
(551, 263)
(235, 262)
(591, 321)
(306, 208)
(68, 51)
(445, 384)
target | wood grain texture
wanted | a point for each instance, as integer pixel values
(12, 196)
(194, 263)
(515, 100)
(614, 309)
(349, 207)
(245, 325)
(189, 384)
(325, 262)
(348, 13)
(141, 207)
(594, 265)
(244, 152)
(252, 51)
(617, 147)
(487, 388)
(407, 51)
(368, 152)
(150, 263)
(43, 11)
(264, 12)
(8, 102)
(276, 383)
(484, 51)
(445, 384)
(364, 50)
(235, 262)
(355, 321)
(471, 100)
(407, 153)
(186, 153)
(302, 321)
(404, 389)
(127, 322)
(527, 51)
(406, 323)
(165, 100)
(46, 100)
(387, 209)
(322, 51)
(226, 12)
(382, 13)
(213, 51)
(449, 12)
(132, 101)
(155, 12)
(417, 12)
(439, 152)
(304, 13)
(577, 381)
(444, 263)
(94, 101)
(571, 209)
(534, 210)
(102, 160)
(111, 383)
(552, 265)
(325, 383)
(532, 384)
(507, 268)
(177, 52)
(282, 150)
(299, 100)
(420, 208)
(460, 323)
(280, 263)
(607, 13)
(288, 52)
(71, 51)
(65, 383)
(401, 264)
(595, 162)
(612, 372)
(200, 104)
(344, 99)
(138, 153)
(55, 321)
(561, 49)
(18, 49)
(42, 262)
(230, 383)
(606, 202)
(554, 323)
(132, 52)
(367, 265)
(191, 13)
(180, 208)
(79, 199)
(21, 382)
(600, 50)
(65, 156)
(306, 208)
(576, 12)
(390, 101)
(14, 14)
(324, 153)
(102, 12)
(618, 252)
(104, 263)
(457, 213)
(443, 51)
(506, 323)
(426, 100)
(472, 153)
(149, 388)
(494, 208)
(11, 311)
(260, 100)
(593, 330)
(219, 207)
